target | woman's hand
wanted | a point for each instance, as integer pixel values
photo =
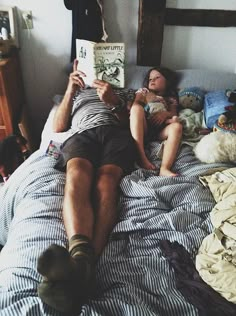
(159, 118)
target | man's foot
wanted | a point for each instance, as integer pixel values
(167, 173)
(68, 278)
(63, 296)
(56, 264)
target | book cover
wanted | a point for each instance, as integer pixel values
(104, 61)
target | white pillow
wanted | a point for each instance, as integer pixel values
(208, 80)
(48, 135)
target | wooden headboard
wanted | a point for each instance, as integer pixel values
(153, 15)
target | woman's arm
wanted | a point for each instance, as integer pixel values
(172, 103)
(140, 99)
(160, 117)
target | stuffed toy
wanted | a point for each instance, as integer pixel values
(216, 147)
(153, 107)
(229, 116)
(191, 98)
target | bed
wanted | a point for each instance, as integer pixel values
(134, 274)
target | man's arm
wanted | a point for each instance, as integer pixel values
(63, 114)
(106, 93)
(118, 106)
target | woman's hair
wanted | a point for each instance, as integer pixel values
(170, 77)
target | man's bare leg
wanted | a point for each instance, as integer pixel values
(78, 213)
(106, 198)
(69, 275)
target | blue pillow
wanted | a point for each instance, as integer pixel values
(214, 106)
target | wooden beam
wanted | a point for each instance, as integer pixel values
(152, 17)
(195, 17)
(150, 32)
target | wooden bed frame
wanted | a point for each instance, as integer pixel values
(153, 15)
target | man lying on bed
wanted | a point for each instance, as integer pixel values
(95, 159)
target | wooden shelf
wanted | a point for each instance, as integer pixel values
(11, 95)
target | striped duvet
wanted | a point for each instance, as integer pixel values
(133, 277)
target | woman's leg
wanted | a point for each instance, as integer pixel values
(173, 134)
(138, 127)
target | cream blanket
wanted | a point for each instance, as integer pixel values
(216, 258)
(192, 124)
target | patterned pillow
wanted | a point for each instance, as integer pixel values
(214, 105)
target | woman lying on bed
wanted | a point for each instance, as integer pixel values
(154, 113)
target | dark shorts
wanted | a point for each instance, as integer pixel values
(153, 132)
(101, 146)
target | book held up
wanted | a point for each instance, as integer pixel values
(104, 61)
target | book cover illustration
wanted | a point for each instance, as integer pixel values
(104, 61)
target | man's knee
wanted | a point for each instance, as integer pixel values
(78, 171)
(108, 178)
(77, 165)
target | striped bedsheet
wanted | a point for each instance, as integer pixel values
(133, 277)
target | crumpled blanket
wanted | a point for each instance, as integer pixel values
(190, 284)
(216, 258)
(192, 123)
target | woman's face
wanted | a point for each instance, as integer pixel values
(157, 82)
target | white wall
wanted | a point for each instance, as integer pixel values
(45, 50)
(44, 53)
(200, 47)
